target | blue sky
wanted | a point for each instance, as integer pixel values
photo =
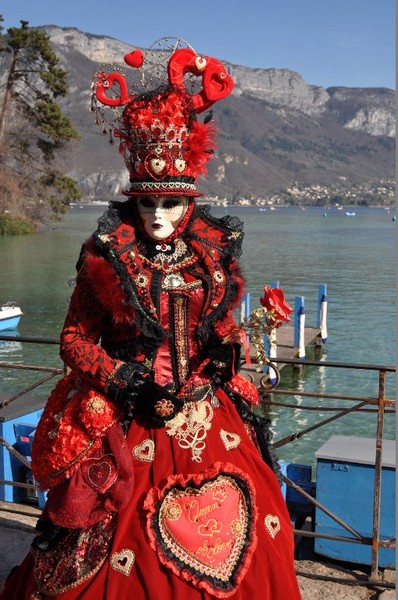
(329, 42)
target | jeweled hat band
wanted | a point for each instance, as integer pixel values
(169, 186)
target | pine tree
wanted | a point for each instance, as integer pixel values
(34, 133)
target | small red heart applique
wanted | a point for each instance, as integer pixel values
(123, 561)
(145, 450)
(100, 473)
(272, 525)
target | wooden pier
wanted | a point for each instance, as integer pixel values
(285, 349)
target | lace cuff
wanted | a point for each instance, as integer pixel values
(124, 383)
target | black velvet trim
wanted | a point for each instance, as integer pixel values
(261, 427)
(156, 288)
(217, 583)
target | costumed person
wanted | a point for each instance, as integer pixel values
(160, 477)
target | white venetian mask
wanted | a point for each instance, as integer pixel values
(161, 214)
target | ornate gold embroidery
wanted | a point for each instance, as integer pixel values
(174, 512)
(168, 263)
(104, 238)
(218, 276)
(72, 561)
(180, 321)
(190, 426)
(174, 280)
(236, 527)
(123, 561)
(230, 440)
(252, 434)
(96, 405)
(141, 280)
(145, 450)
(272, 525)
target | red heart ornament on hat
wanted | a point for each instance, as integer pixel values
(202, 527)
(105, 86)
(134, 58)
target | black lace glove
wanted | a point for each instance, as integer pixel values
(224, 362)
(124, 385)
(157, 403)
(133, 387)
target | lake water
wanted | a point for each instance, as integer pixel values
(353, 255)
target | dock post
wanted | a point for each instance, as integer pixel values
(322, 311)
(270, 344)
(245, 307)
(270, 348)
(299, 326)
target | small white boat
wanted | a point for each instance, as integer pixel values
(350, 214)
(10, 315)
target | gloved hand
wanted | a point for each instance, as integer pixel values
(124, 385)
(133, 386)
(159, 405)
(224, 362)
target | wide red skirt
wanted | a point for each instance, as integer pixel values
(206, 520)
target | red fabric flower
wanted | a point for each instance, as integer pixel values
(245, 388)
(71, 427)
(278, 310)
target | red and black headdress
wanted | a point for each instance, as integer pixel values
(164, 146)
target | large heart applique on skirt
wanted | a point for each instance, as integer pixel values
(203, 527)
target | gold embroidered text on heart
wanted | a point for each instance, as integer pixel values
(202, 527)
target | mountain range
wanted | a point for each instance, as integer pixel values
(275, 130)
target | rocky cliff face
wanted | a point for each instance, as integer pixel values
(275, 128)
(281, 88)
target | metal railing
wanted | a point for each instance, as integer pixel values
(382, 406)
(379, 404)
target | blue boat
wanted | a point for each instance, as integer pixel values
(10, 315)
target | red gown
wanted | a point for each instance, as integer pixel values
(206, 517)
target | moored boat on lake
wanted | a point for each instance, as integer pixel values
(10, 315)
